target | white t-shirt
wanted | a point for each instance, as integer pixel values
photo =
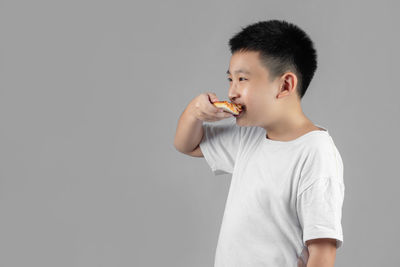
(282, 193)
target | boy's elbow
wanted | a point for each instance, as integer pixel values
(194, 153)
(179, 148)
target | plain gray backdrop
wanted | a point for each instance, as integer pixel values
(90, 96)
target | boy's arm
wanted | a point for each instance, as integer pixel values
(322, 252)
(196, 153)
(189, 133)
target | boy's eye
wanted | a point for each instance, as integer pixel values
(229, 79)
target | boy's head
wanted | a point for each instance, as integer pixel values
(281, 61)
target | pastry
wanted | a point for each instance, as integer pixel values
(233, 108)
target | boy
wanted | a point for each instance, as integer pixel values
(285, 200)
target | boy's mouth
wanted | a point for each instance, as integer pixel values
(241, 112)
(241, 107)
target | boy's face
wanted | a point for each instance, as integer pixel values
(251, 87)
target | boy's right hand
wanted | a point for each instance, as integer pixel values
(204, 110)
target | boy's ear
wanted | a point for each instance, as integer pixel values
(288, 84)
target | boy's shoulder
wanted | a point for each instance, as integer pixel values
(322, 158)
(320, 141)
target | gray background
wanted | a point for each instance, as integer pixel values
(91, 92)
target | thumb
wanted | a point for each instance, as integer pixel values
(213, 97)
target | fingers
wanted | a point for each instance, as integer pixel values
(224, 114)
(211, 108)
(215, 114)
(213, 97)
(220, 114)
(205, 110)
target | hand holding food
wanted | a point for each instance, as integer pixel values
(203, 109)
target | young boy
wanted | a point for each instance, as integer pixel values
(285, 200)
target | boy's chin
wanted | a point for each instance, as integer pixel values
(241, 120)
(244, 121)
(240, 115)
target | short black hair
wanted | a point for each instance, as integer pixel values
(283, 47)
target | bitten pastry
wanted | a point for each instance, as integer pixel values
(233, 108)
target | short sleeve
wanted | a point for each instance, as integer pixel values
(319, 210)
(220, 145)
(321, 192)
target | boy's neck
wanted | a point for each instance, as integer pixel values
(290, 127)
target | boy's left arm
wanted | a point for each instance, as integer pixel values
(322, 252)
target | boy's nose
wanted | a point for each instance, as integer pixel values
(233, 94)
